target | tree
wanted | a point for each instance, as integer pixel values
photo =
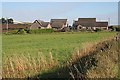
(111, 28)
(10, 21)
(4, 21)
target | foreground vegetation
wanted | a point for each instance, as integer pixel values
(30, 54)
(107, 61)
(100, 61)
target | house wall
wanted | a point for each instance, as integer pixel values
(41, 28)
(102, 28)
(66, 25)
(35, 26)
(63, 26)
(49, 26)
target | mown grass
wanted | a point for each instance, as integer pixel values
(57, 46)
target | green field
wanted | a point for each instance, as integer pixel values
(61, 45)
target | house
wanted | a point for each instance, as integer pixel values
(101, 25)
(58, 24)
(89, 23)
(38, 24)
(84, 23)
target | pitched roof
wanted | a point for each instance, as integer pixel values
(57, 25)
(87, 19)
(42, 23)
(101, 24)
(59, 20)
(87, 22)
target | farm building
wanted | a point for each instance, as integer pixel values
(38, 24)
(89, 23)
(58, 24)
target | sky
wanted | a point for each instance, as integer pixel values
(59, 0)
(30, 11)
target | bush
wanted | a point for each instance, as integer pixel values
(111, 28)
(117, 28)
(39, 31)
(114, 28)
(27, 30)
(21, 31)
(97, 29)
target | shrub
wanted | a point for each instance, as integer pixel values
(97, 29)
(114, 28)
(27, 30)
(39, 31)
(21, 31)
(117, 28)
(111, 28)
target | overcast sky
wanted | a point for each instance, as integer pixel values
(30, 11)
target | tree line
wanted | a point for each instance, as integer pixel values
(5, 21)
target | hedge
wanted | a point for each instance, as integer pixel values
(39, 31)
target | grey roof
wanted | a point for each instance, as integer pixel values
(42, 23)
(86, 19)
(59, 20)
(57, 25)
(101, 24)
(87, 22)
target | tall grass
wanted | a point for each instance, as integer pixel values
(105, 61)
(26, 66)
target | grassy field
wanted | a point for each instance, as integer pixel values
(102, 62)
(58, 46)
